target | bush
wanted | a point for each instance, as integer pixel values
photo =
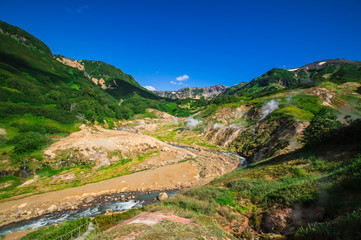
(323, 126)
(55, 231)
(104, 222)
(28, 142)
(348, 227)
(123, 113)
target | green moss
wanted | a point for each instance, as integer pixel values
(292, 112)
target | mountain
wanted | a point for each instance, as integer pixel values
(334, 70)
(32, 82)
(112, 79)
(299, 130)
(194, 92)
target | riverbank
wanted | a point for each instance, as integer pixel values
(176, 176)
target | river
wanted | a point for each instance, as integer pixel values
(99, 205)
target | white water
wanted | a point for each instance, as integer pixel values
(59, 217)
(100, 208)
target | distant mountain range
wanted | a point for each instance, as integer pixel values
(334, 70)
(194, 92)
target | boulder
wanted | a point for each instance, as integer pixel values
(52, 208)
(162, 196)
(89, 199)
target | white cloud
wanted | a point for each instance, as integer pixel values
(183, 77)
(173, 82)
(150, 88)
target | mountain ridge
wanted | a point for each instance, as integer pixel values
(194, 92)
(276, 79)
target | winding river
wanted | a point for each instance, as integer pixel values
(100, 205)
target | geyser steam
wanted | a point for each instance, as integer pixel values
(192, 123)
(269, 107)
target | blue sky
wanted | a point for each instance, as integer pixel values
(202, 43)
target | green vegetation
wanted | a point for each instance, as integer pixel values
(344, 228)
(42, 100)
(55, 231)
(276, 80)
(103, 222)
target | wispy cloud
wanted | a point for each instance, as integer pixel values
(150, 88)
(175, 83)
(78, 10)
(184, 77)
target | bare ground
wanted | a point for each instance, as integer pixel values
(173, 168)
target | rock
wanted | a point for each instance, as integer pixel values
(165, 149)
(162, 196)
(22, 205)
(28, 182)
(89, 199)
(5, 185)
(52, 208)
(278, 219)
(100, 159)
(68, 177)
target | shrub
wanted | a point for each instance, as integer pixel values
(323, 126)
(28, 142)
(348, 227)
(123, 113)
(55, 231)
(104, 222)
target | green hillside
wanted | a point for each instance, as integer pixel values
(42, 99)
(275, 80)
(299, 130)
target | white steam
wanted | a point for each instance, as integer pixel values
(269, 107)
(217, 125)
(192, 123)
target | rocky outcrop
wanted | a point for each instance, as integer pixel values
(71, 62)
(193, 92)
(162, 196)
(269, 138)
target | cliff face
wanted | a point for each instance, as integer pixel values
(193, 92)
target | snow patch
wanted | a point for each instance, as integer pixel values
(321, 63)
(292, 70)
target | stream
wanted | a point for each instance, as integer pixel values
(100, 205)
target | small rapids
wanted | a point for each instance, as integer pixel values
(100, 205)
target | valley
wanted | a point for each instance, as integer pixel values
(80, 140)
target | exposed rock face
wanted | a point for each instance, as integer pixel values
(279, 220)
(268, 138)
(162, 196)
(71, 62)
(193, 92)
